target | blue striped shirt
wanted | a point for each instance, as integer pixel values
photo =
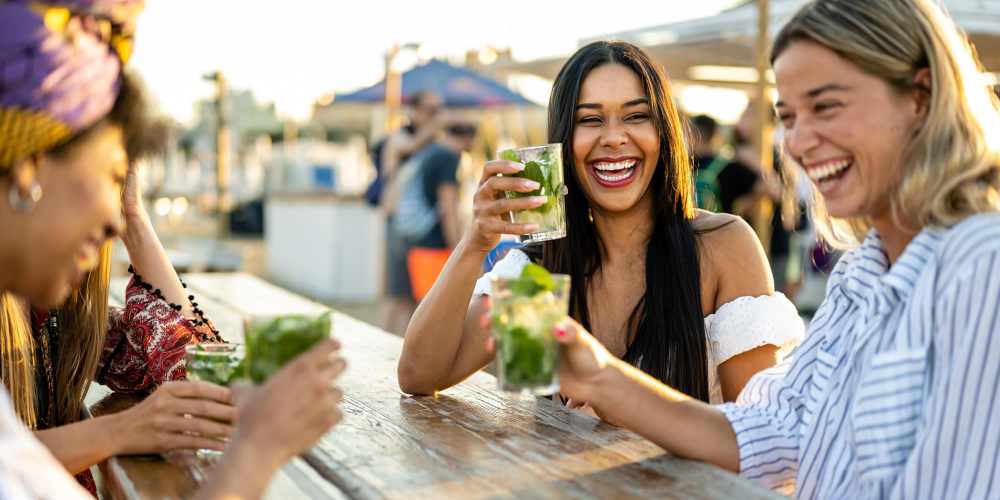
(894, 392)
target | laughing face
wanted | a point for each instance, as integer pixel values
(78, 213)
(615, 143)
(847, 128)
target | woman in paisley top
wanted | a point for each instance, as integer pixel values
(134, 348)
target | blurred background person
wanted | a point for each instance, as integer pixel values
(708, 161)
(425, 121)
(743, 185)
(389, 153)
(422, 203)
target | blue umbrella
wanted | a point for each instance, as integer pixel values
(458, 86)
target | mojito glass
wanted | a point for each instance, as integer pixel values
(220, 364)
(216, 363)
(542, 164)
(273, 342)
(524, 311)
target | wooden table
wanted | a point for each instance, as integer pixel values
(470, 441)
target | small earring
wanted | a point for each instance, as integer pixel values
(21, 204)
(590, 214)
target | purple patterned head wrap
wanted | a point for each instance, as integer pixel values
(60, 69)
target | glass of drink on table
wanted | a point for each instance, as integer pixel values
(220, 364)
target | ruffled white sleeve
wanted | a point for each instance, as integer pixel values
(509, 267)
(750, 322)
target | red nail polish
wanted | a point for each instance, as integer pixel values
(560, 331)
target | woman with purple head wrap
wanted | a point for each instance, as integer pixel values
(68, 129)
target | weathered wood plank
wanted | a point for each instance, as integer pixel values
(178, 475)
(250, 296)
(472, 441)
(476, 442)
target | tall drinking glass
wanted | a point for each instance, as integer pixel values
(523, 317)
(544, 165)
(220, 364)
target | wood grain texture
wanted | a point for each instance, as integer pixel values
(179, 474)
(471, 441)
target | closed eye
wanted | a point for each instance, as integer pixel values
(637, 117)
(822, 107)
(589, 120)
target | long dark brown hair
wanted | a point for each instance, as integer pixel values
(666, 336)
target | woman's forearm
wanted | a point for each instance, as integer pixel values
(431, 348)
(674, 421)
(149, 259)
(80, 445)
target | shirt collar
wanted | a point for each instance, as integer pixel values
(870, 271)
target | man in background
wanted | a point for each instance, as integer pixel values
(422, 203)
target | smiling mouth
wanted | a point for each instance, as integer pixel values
(829, 171)
(613, 174)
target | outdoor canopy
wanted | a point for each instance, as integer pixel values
(459, 87)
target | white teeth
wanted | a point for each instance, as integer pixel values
(613, 177)
(621, 165)
(822, 173)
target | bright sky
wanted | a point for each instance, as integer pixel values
(291, 52)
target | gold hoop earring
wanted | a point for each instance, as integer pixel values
(590, 214)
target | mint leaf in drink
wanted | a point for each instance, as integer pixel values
(510, 155)
(533, 171)
(547, 156)
(534, 279)
(273, 344)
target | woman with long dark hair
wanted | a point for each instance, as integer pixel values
(685, 295)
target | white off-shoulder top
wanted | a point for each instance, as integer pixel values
(736, 327)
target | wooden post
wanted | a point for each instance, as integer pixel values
(393, 92)
(223, 203)
(765, 133)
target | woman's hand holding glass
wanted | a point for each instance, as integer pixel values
(491, 208)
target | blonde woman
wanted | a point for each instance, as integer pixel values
(63, 161)
(894, 392)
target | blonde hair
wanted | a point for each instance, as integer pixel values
(83, 329)
(951, 167)
(17, 354)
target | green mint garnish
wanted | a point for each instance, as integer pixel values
(271, 346)
(534, 279)
(510, 155)
(540, 171)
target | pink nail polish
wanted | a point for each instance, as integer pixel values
(560, 331)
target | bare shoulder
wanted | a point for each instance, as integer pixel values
(723, 231)
(732, 256)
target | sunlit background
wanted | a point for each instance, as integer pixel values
(294, 52)
(277, 191)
